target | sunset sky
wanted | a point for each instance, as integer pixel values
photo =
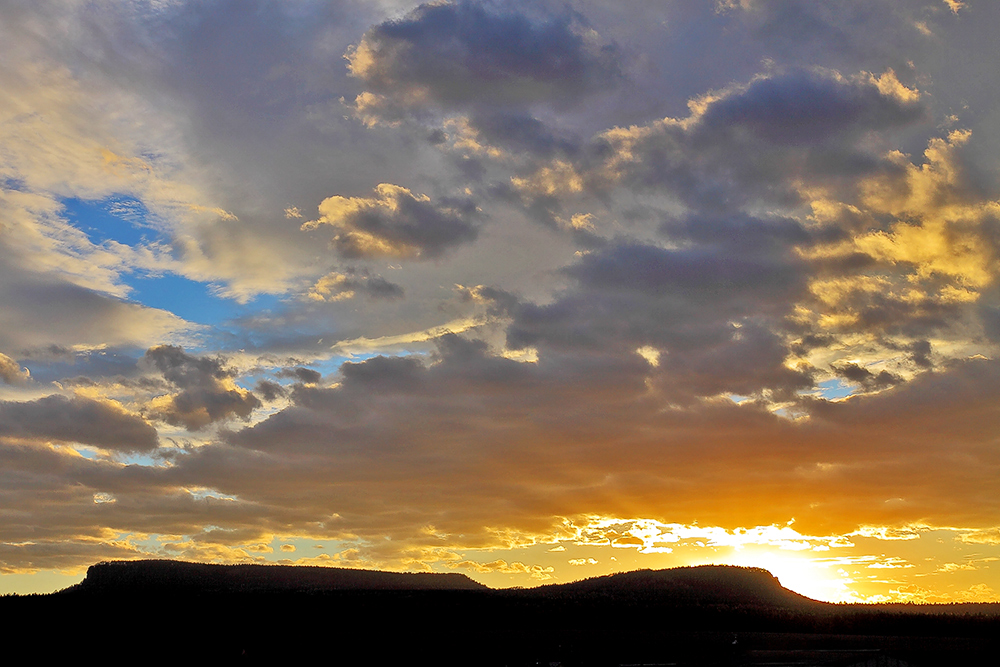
(532, 291)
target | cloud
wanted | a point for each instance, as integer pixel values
(396, 223)
(612, 442)
(81, 420)
(207, 391)
(468, 55)
(458, 440)
(714, 318)
(863, 376)
(41, 312)
(140, 103)
(269, 391)
(336, 286)
(855, 31)
(809, 107)
(303, 375)
(744, 142)
(404, 341)
(11, 371)
(536, 571)
(47, 297)
(498, 80)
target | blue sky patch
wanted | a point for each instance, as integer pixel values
(834, 389)
(119, 218)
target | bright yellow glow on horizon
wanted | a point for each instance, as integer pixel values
(815, 578)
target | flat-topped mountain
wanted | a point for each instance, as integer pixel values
(178, 577)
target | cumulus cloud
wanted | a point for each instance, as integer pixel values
(462, 55)
(810, 107)
(303, 375)
(857, 373)
(207, 392)
(487, 79)
(77, 420)
(11, 371)
(745, 142)
(700, 309)
(396, 223)
(269, 391)
(337, 286)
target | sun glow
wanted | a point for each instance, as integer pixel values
(816, 578)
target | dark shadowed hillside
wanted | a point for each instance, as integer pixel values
(711, 615)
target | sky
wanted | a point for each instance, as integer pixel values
(532, 291)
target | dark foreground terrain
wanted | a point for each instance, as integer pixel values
(166, 611)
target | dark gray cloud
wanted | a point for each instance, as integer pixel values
(743, 234)
(809, 106)
(207, 393)
(303, 375)
(383, 373)
(397, 223)
(630, 295)
(760, 141)
(686, 273)
(523, 133)
(77, 419)
(859, 33)
(500, 65)
(861, 375)
(337, 286)
(470, 54)
(920, 353)
(902, 314)
(269, 391)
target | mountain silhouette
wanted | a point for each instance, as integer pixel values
(701, 585)
(179, 577)
(707, 615)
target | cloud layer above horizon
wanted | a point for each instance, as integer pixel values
(464, 284)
